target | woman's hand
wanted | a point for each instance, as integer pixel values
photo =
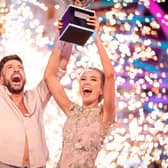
(59, 26)
(66, 48)
(93, 21)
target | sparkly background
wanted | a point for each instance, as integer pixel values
(135, 34)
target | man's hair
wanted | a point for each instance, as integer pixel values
(8, 58)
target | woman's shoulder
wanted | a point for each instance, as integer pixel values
(74, 107)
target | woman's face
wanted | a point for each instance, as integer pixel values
(90, 86)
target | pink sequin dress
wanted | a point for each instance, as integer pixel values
(82, 138)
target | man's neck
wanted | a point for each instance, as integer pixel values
(17, 98)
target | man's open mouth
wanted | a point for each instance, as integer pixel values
(16, 78)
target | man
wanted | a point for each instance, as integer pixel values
(22, 139)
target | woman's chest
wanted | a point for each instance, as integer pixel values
(82, 125)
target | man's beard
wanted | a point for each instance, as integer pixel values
(13, 89)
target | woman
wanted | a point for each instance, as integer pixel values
(86, 125)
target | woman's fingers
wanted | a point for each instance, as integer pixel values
(93, 21)
(60, 24)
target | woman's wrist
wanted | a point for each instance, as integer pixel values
(97, 37)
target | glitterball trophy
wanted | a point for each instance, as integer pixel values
(75, 28)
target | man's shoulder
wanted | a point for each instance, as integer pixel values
(2, 88)
(40, 89)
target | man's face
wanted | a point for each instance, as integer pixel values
(13, 76)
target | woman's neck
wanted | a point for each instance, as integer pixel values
(87, 106)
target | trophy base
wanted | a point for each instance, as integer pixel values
(76, 34)
(75, 28)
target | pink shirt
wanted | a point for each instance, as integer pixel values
(14, 126)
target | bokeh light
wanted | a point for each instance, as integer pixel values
(135, 37)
